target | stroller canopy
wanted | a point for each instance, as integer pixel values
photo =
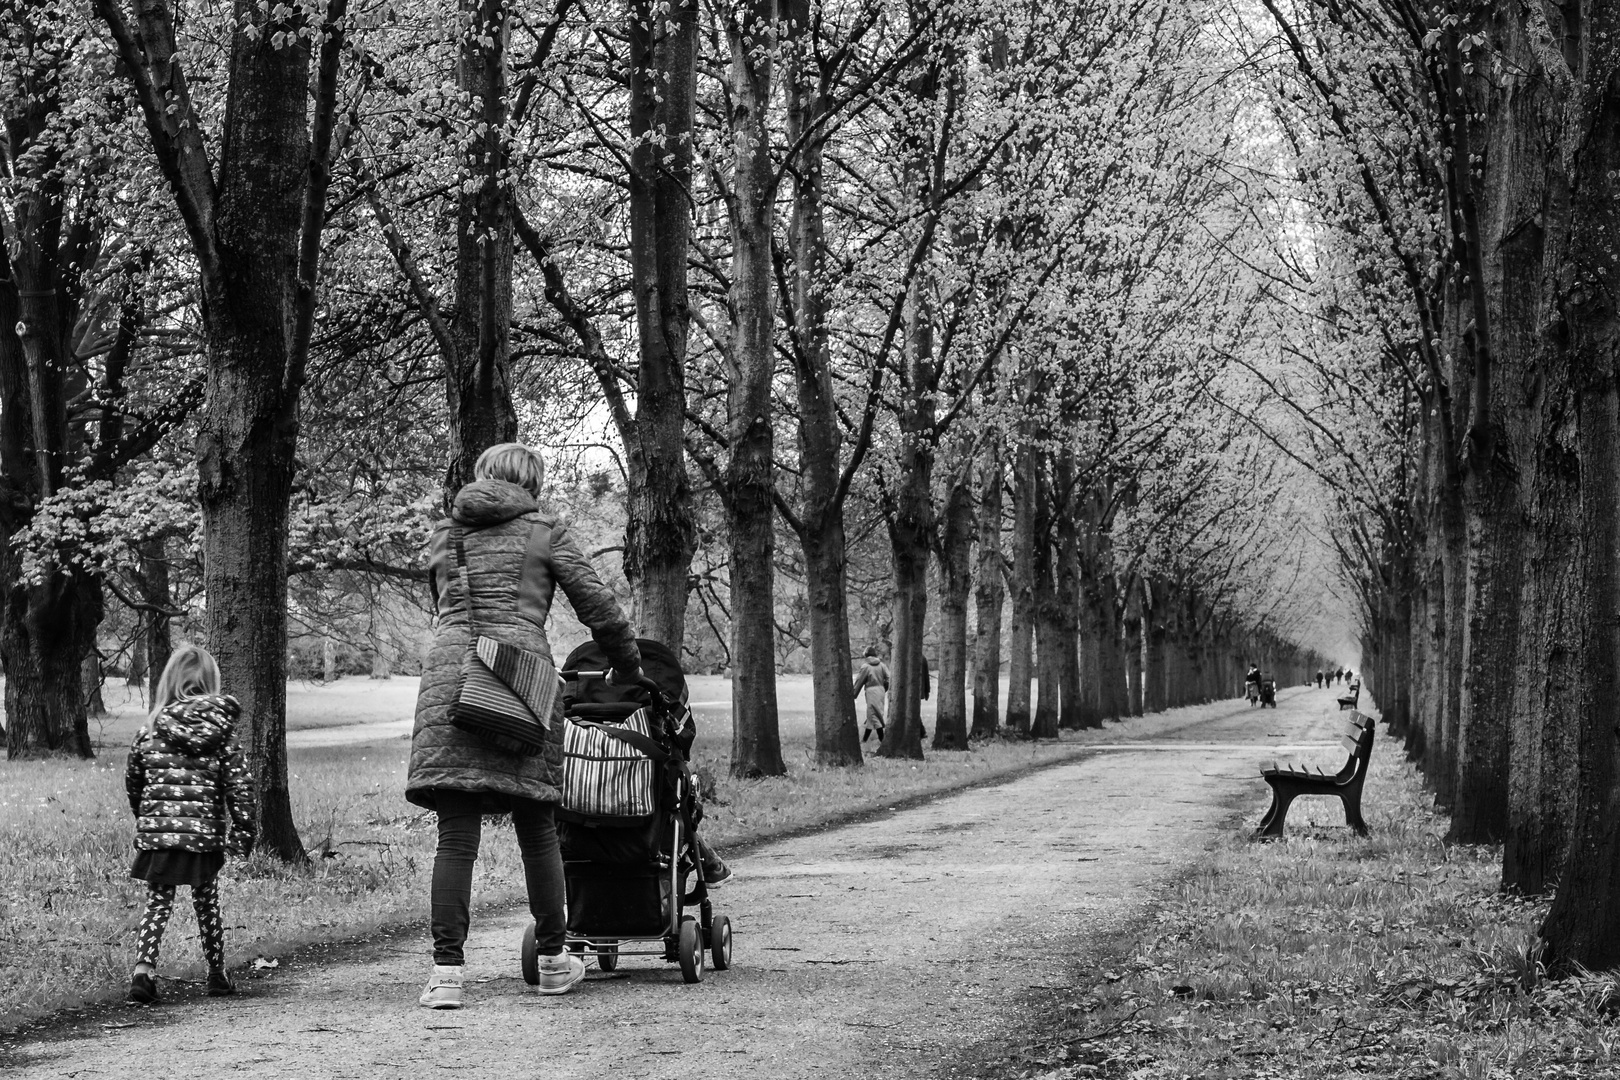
(658, 662)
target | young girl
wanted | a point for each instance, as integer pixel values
(189, 790)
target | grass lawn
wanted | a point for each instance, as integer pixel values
(69, 912)
(1329, 956)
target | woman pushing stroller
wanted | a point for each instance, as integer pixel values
(512, 557)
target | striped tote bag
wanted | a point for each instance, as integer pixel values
(505, 694)
(610, 771)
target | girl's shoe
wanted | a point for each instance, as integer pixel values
(219, 984)
(559, 973)
(443, 988)
(142, 990)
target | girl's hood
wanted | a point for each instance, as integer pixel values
(199, 726)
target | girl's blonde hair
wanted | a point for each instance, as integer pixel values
(514, 463)
(190, 672)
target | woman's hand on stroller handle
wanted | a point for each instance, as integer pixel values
(612, 678)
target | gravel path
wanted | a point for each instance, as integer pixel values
(869, 950)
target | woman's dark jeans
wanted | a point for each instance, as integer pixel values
(460, 822)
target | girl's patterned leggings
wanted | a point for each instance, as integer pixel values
(210, 926)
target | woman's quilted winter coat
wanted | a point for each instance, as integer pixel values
(186, 780)
(516, 558)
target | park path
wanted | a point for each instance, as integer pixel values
(871, 950)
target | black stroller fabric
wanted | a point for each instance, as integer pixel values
(658, 662)
(596, 851)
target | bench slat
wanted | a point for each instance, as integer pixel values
(1350, 744)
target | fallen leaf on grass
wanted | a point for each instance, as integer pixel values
(260, 963)
(115, 1027)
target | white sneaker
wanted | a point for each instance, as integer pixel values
(443, 988)
(559, 973)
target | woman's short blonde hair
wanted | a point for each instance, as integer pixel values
(190, 672)
(514, 463)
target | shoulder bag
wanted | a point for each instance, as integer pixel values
(505, 694)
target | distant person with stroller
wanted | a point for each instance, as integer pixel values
(189, 790)
(873, 678)
(499, 558)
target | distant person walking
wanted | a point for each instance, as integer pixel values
(189, 789)
(873, 678)
(1319, 680)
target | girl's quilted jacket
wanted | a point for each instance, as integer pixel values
(187, 782)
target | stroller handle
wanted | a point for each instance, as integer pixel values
(644, 682)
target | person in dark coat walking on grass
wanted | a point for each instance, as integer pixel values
(189, 790)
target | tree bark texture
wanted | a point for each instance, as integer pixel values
(756, 745)
(911, 528)
(1583, 925)
(660, 534)
(956, 582)
(989, 595)
(478, 379)
(1135, 645)
(46, 629)
(821, 517)
(1021, 635)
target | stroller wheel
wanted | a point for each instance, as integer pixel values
(607, 957)
(530, 958)
(691, 950)
(720, 943)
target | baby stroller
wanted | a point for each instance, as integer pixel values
(630, 877)
(1268, 691)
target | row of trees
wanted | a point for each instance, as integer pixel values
(962, 282)
(1454, 388)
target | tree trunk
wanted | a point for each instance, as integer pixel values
(255, 234)
(1153, 650)
(136, 674)
(1545, 723)
(1583, 925)
(821, 521)
(911, 529)
(478, 381)
(1135, 651)
(46, 629)
(756, 745)
(989, 596)
(1049, 638)
(1020, 639)
(154, 624)
(247, 439)
(956, 580)
(1077, 707)
(1111, 648)
(660, 533)
(1454, 561)
(90, 674)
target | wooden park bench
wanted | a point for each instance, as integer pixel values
(1287, 784)
(1353, 699)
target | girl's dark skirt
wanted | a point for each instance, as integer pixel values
(177, 867)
